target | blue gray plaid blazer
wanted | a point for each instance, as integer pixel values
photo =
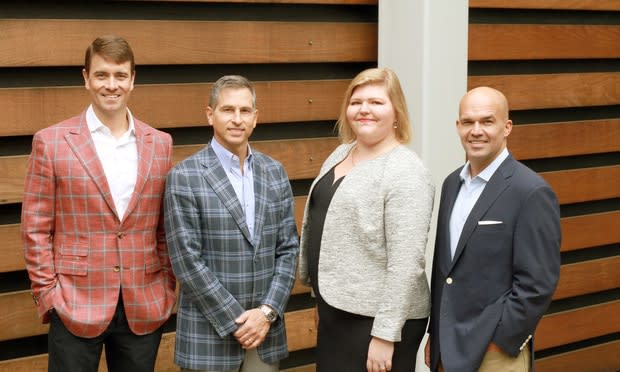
(221, 269)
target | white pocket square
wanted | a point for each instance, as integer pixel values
(489, 222)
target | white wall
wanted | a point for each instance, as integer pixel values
(425, 43)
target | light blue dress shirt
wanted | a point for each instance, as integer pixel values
(468, 196)
(242, 182)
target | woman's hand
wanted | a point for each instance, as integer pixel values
(379, 355)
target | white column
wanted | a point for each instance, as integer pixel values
(425, 43)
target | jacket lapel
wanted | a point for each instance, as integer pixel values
(453, 186)
(146, 152)
(217, 178)
(260, 197)
(497, 184)
(82, 145)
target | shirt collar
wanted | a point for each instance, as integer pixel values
(488, 172)
(227, 158)
(94, 124)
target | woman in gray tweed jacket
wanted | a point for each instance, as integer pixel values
(364, 234)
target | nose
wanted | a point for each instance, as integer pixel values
(477, 128)
(364, 107)
(111, 83)
(236, 118)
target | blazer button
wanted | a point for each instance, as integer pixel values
(449, 280)
(117, 269)
(120, 234)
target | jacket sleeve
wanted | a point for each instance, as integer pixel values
(183, 234)
(286, 250)
(37, 226)
(162, 247)
(536, 267)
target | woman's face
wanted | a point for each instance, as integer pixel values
(371, 114)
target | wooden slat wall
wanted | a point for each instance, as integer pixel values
(300, 54)
(558, 62)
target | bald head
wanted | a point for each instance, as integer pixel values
(487, 96)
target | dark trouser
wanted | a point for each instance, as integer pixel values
(343, 340)
(124, 350)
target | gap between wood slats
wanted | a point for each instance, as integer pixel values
(26, 110)
(547, 4)
(530, 41)
(554, 90)
(62, 42)
(301, 158)
(580, 185)
(598, 358)
(588, 277)
(535, 141)
(576, 325)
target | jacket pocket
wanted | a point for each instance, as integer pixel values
(152, 265)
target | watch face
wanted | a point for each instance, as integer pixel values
(270, 314)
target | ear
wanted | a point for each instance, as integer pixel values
(85, 76)
(209, 113)
(507, 128)
(255, 118)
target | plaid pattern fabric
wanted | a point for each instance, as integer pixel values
(221, 269)
(78, 254)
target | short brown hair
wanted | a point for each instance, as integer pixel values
(110, 47)
(387, 78)
(230, 81)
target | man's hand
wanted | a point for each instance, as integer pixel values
(253, 328)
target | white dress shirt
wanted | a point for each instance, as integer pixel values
(119, 158)
(242, 182)
(468, 196)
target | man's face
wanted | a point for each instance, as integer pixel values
(233, 119)
(483, 127)
(110, 85)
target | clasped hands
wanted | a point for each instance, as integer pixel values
(253, 328)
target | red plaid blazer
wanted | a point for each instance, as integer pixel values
(79, 255)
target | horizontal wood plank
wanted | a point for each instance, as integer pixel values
(536, 141)
(301, 158)
(526, 92)
(63, 42)
(577, 325)
(27, 110)
(12, 175)
(530, 41)
(590, 230)
(598, 358)
(11, 249)
(19, 316)
(547, 4)
(588, 184)
(300, 329)
(588, 277)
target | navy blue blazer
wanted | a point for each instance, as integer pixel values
(503, 275)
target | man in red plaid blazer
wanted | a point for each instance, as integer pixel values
(92, 227)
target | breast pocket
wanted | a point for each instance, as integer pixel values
(72, 259)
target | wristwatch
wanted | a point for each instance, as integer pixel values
(269, 313)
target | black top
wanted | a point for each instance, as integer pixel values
(320, 199)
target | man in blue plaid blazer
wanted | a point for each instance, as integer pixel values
(233, 243)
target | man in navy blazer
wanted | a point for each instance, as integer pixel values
(497, 251)
(233, 243)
